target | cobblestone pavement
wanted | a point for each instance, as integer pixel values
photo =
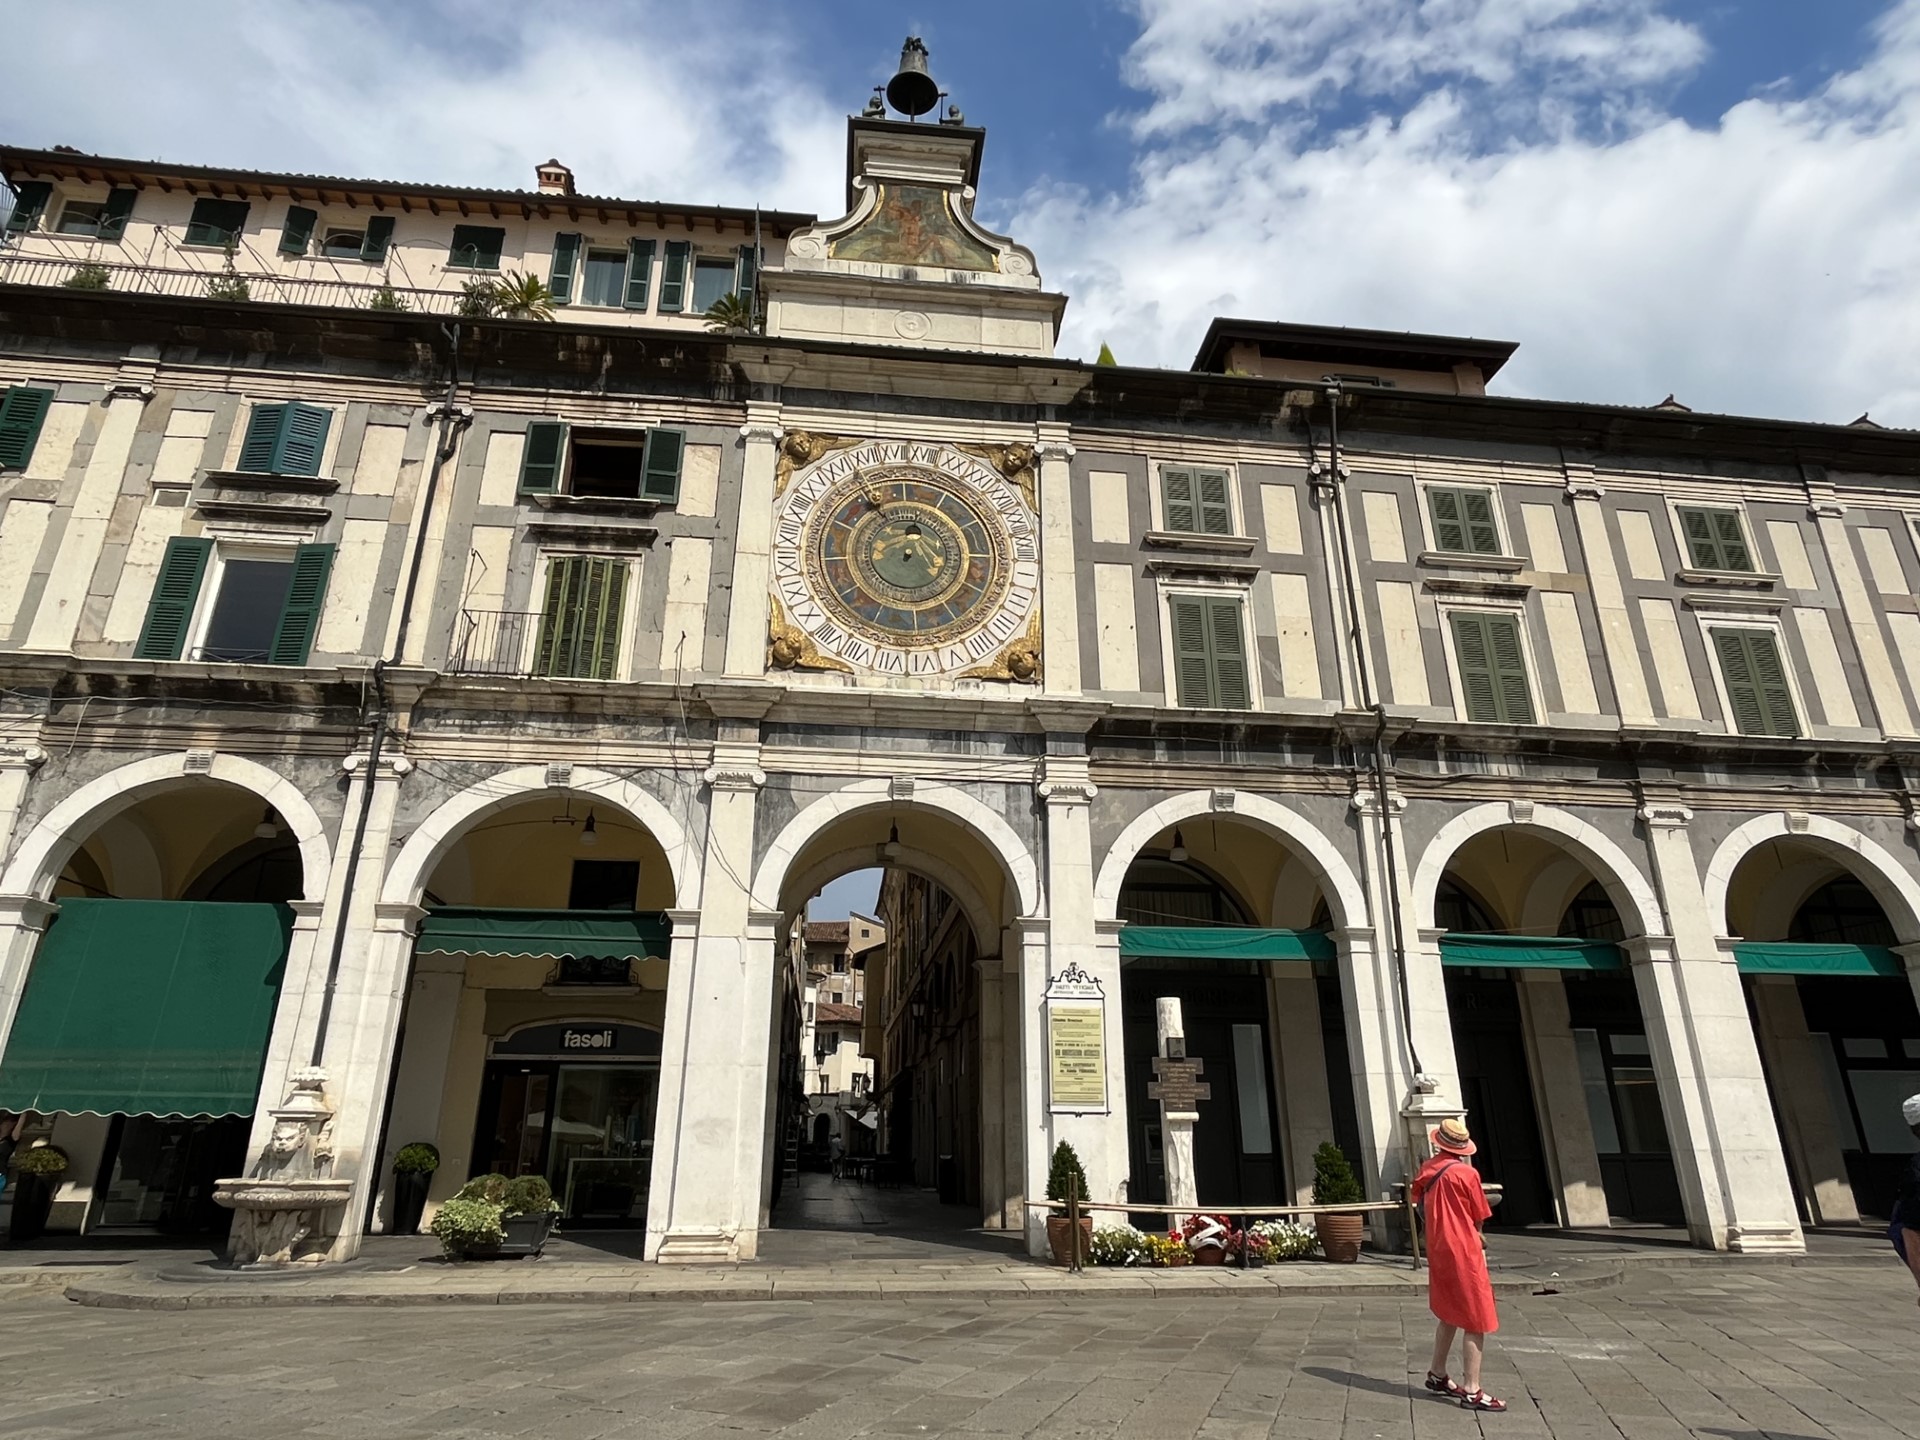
(1735, 1354)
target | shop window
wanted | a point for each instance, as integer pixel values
(604, 885)
(256, 604)
(476, 247)
(1716, 540)
(602, 464)
(217, 222)
(580, 620)
(1758, 696)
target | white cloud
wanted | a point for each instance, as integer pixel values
(1768, 264)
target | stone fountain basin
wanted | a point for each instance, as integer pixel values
(281, 1194)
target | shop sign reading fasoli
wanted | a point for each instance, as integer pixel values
(1076, 1043)
(898, 558)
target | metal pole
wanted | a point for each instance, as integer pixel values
(1073, 1223)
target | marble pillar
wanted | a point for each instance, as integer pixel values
(1806, 1109)
(1560, 1100)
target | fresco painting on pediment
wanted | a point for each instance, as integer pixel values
(914, 225)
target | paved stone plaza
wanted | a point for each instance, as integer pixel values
(1735, 1353)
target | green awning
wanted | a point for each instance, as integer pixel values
(147, 1007)
(1530, 952)
(607, 934)
(1224, 942)
(1767, 958)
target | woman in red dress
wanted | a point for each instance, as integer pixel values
(1447, 1189)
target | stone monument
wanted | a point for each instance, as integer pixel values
(292, 1187)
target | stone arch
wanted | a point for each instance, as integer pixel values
(1632, 894)
(949, 877)
(51, 843)
(1344, 895)
(1869, 862)
(986, 825)
(410, 870)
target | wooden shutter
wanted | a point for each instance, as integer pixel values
(1216, 510)
(746, 273)
(1449, 527)
(1703, 551)
(174, 592)
(1515, 701)
(373, 245)
(23, 410)
(1732, 540)
(1178, 510)
(1756, 681)
(303, 439)
(260, 452)
(639, 273)
(297, 234)
(476, 247)
(660, 465)
(580, 622)
(540, 460)
(30, 199)
(113, 218)
(566, 258)
(217, 222)
(300, 616)
(673, 277)
(1227, 643)
(1476, 510)
(1473, 651)
(1193, 676)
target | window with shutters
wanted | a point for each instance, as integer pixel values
(23, 410)
(337, 242)
(603, 280)
(1463, 521)
(602, 464)
(713, 280)
(285, 439)
(1490, 657)
(476, 247)
(236, 604)
(1209, 652)
(217, 222)
(1753, 677)
(1196, 501)
(617, 275)
(1716, 539)
(581, 618)
(96, 219)
(30, 199)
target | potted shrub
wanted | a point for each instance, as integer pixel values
(495, 1218)
(1066, 1168)
(413, 1171)
(1334, 1184)
(38, 1173)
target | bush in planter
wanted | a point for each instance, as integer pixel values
(1066, 1165)
(40, 1169)
(475, 1218)
(419, 1158)
(413, 1171)
(44, 1161)
(1334, 1184)
(1066, 1172)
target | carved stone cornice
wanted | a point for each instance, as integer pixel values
(21, 755)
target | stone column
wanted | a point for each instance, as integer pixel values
(1035, 1130)
(1059, 575)
(1375, 1058)
(711, 1146)
(1806, 1109)
(1176, 1126)
(1560, 1099)
(1016, 1129)
(993, 1088)
(1910, 957)
(430, 1015)
(753, 543)
(1622, 649)
(1713, 1094)
(1299, 1072)
(290, 1042)
(23, 920)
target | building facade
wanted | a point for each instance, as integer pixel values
(463, 707)
(838, 1074)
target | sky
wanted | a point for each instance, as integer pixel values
(1708, 198)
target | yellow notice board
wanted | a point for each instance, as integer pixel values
(1077, 1055)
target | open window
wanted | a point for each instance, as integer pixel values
(96, 219)
(244, 603)
(600, 463)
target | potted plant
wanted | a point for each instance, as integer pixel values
(39, 1170)
(413, 1171)
(1334, 1184)
(1209, 1237)
(495, 1218)
(1066, 1170)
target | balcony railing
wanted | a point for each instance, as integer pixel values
(495, 642)
(60, 272)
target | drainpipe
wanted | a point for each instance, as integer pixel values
(1369, 700)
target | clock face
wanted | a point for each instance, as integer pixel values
(906, 559)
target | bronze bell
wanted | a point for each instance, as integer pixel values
(912, 91)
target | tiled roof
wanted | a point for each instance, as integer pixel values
(828, 1013)
(826, 932)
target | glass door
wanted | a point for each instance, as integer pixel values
(164, 1169)
(602, 1155)
(518, 1140)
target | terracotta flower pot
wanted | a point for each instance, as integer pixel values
(1210, 1255)
(1340, 1236)
(1060, 1234)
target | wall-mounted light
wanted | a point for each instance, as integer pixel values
(919, 1009)
(892, 848)
(589, 836)
(1179, 852)
(268, 827)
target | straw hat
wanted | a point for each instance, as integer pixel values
(1451, 1136)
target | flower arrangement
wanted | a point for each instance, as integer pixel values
(1285, 1239)
(1205, 1232)
(1122, 1245)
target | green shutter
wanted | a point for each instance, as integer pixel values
(1227, 645)
(660, 466)
(1476, 508)
(30, 199)
(1210, 493)
(1193, 676)
(639, 273)
(1179, 513)
(540, 459)
(1449, 529)
(23, 410)
(181, 570)
(566, 258)
(476, 247)
(373, 246)
(746, 273)
(1509, 669)
(296, 236)
(303, 439)
(580, 622)
(1715, 539)
(1756, 682)
(1463, 521)
(1733, 540)
(673, 277)
(1493, 668)
(113, 218)
(217, 222)
(261, 449)
(300, 617)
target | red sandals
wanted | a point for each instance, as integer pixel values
(1480, 1400)
(1441, 1385)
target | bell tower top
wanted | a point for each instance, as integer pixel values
(908, 264)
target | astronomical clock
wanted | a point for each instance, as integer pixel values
(898, 558)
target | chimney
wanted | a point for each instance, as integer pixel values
(555, 178)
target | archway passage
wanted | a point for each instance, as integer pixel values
(1230, 920)
(144, 1020)
(1835, 1016)
(531, 1039)
(1556, 1067)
